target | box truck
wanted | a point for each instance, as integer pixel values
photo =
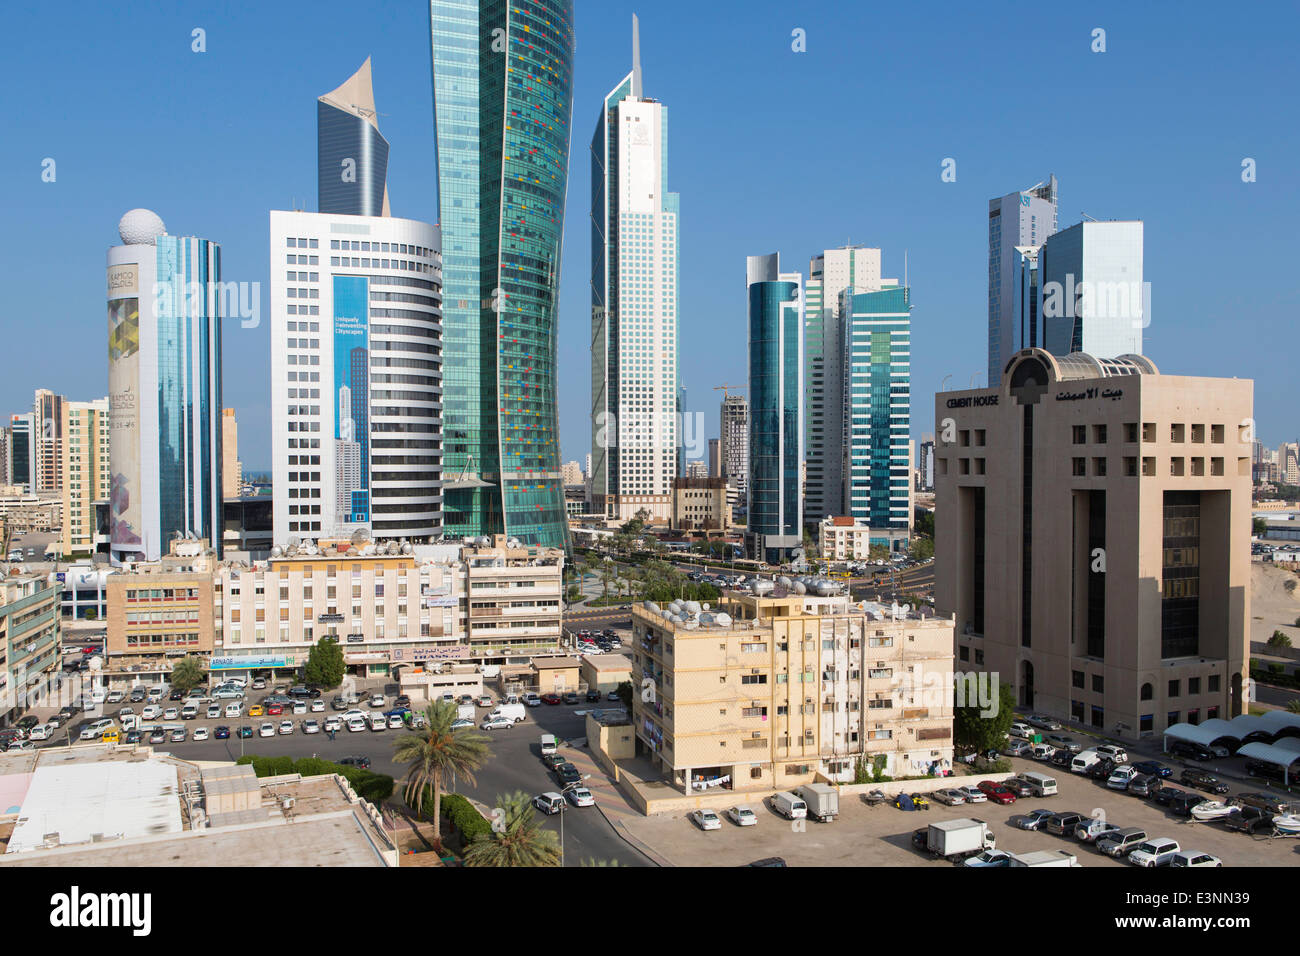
(1044, 858)
(957, 839)
(823, 801)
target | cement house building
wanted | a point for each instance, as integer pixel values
(1092, 538)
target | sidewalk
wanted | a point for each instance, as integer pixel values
(610, 801)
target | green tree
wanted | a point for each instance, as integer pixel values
(921, 548)
(325, 664)
(1258, 526)
(187, 674)
(434, 751)
(1279, 639)
(517, 838)
(878, 552)
(1293, 706)
(923, 522)
(625, 694)
(975, 733)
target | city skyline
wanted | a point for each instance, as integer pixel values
(903, 204)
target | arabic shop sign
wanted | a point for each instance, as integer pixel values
(435, 653)
(1114, 394)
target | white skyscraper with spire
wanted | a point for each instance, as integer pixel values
(634, 304)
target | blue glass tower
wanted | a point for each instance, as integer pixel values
(776, 329)
(503, 98)
(351, 154)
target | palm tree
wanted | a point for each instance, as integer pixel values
(436, 750)
(518, 840)
(1293, 706)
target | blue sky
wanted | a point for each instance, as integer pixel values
(769, 149)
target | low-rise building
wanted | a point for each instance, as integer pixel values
(29, 642)
(605, 672)
(160, 612)
(784, 689)
(701, 504)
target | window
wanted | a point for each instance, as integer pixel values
(1213, 683)
(1080, 467)
(1193, 685)
(1173, 689)
(1098, 684)
(752, 678)
(1076, 678)
(1080, 434)
(1099, 434)
(1147, 691)
(1130, 432)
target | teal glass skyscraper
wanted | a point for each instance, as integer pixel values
(503, 98)
(877, 378)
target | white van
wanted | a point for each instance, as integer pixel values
(1040, 784)
(513, 712)
(548, 744)
(1082, 761)
(99, 694)
(790, 806)
(42, 731)
(234, 710)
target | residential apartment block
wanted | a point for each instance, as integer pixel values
(784, 689)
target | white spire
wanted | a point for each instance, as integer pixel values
(636, 57)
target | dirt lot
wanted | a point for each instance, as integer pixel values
(881, 836)
(1272, 606)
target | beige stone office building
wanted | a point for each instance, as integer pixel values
(700, 504)
(785, 689)
(85, 472)
(232, 469)
(1092, 538)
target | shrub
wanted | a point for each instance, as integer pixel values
(1279, 639)
(462, 815)
(370, 786)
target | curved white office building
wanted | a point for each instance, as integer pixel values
(356, 371)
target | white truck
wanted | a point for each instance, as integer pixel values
(823, 801)
(465, 712)
(956, 839)
(1044, 858)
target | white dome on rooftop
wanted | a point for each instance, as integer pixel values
(141, 227)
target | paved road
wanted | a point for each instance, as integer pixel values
(515, 765)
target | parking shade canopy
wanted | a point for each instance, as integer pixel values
(1282, 754)
(1276, 724)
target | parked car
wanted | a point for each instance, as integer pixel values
(244, 731)
(551, 699)
(1122, 843)
(461, 724)
(1061, 741)
(1015, 747)
(1101, 769)
(973, 794)
(1113, 752)
(1189, 858)
(1167, 795)
(532, 700)
(1063, 822)
(1019, 787)
(1042, 752)
(1249, 820)
(1144, 785)
(1190, 751)
(567, 774)
(497, 723)
(311, 726)
(266, 730)
(158, 736)
(1155, 852)
(1062, 758)
(1090, 831)
(742, 816)
(274, 710)
(1263, 801)
(1181, 805)
(571, 698)
(950, 797)
(484, 700)
(220, 733)
(997, 793)
(1202, 781)
(1153, 767)
(550, 803)
(706, 819)
(1121, 777)
(1042, 722)
(580, 797)
(593, 696)
(177, 736)
(356, 761)
(377, 700)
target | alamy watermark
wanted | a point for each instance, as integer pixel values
(241, 300)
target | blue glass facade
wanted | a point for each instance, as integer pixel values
(502, 77)
(878, 386)
(775, 521)
(351, 163)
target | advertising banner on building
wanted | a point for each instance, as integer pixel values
(352, 400)
(126, 494)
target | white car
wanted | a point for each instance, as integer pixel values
(973, 794)
(484, 701)
(706, 819)
(171, 713)
(42, 732)
(214, 711)
(989, 858)
(378, 722)
(377, 700)
(461, 724)
(533, 700)
(580, 797)
(151, 712)
(742, 816)
(333, 725)
(1117, 754)
(1188, 858)
(1121, 777)
(300, 707)
(1021, 729)
(286, 726)
(396, 723)
(356, 724)
(311, 726)
(266, 730)
(200, 733)
(497, 723)
(354, 714)
(950, 797)
(317, 706)
(1159, 851)
(114, 698)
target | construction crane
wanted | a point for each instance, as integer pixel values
(725, 389)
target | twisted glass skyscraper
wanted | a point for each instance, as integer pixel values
(503, 97)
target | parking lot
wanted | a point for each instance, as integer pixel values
(881, 836)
